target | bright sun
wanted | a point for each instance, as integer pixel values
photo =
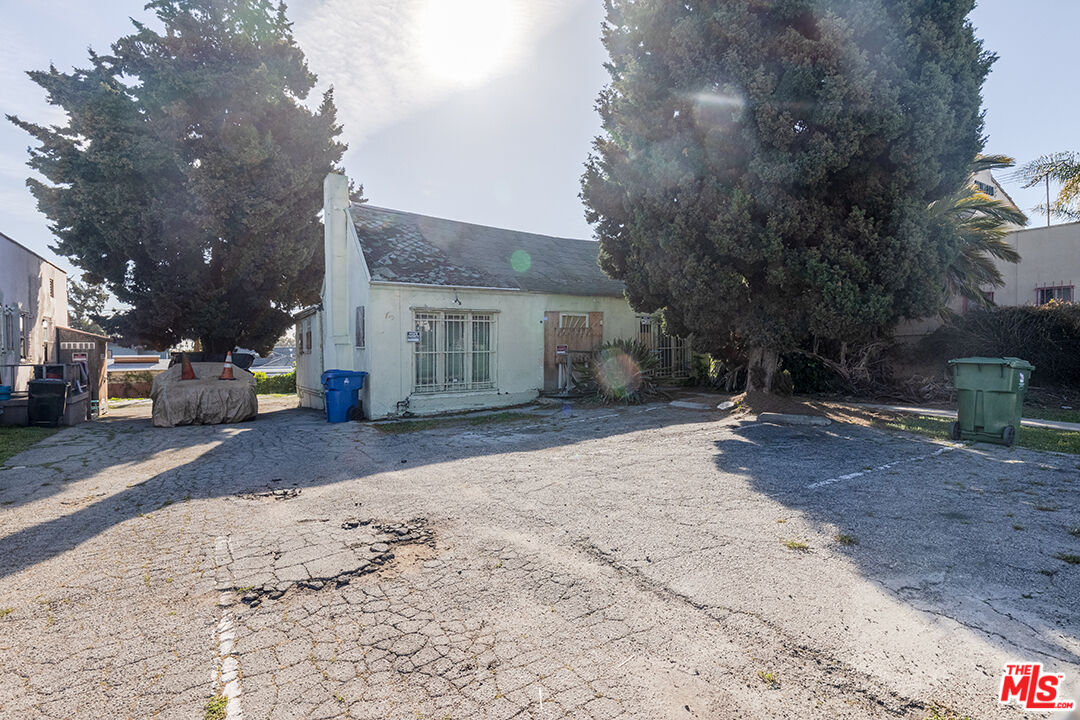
(466, 41)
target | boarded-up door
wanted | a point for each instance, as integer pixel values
(580, 332)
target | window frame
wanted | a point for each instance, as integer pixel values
(582, 315)
(1056, 292)
(24, 334)
(361, 328)
(441, 367)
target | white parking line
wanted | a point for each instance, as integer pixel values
(227, 670)
(886, 466)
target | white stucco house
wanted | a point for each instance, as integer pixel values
(447, 316)
(33, 303)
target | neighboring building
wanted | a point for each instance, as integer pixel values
(1049, 268)
(447, 315)
(280, 361)
(33, 303)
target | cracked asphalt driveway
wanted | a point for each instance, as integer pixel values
(644, 562)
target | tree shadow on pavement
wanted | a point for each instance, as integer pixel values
(974, 533)
(123, 468)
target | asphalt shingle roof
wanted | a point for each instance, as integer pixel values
(405, 247)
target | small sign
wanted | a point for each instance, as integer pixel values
(79, 356)
(412, 336)
(560, 349)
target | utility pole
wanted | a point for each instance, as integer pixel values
(1047, 200)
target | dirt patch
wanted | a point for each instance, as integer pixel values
(755, 403)
(408, 561)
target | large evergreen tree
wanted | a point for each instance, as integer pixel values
(767, 166)
(188, 177)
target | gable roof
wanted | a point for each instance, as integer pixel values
(22, 247)
(410, 248)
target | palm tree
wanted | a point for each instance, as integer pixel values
(982, 224)
(1061, 167)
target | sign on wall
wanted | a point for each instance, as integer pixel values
(412, 336)
(560, 349)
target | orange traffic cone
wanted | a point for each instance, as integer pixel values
(226, 372)
(186, 371)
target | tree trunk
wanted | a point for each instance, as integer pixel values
(217, 346)
(761, 369)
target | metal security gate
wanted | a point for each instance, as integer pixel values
(672, 352)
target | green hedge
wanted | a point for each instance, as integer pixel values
(275, 384)
(1048, 337)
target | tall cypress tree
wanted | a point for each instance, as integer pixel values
(767, 166)
(188, 177)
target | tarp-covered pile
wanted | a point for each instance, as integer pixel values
(205, 400)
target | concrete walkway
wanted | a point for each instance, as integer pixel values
(933, 412)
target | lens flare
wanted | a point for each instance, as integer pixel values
(618, 374)
(520, 261)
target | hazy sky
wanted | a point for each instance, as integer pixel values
(486, 114)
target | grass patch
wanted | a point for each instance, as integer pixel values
(844, 539)
(408, 426)
(215, 708)
(1029, 437)
(796, 545)
(1069, 558)
(15, 439)
(941, 712)
(769, 678)
(4, 612)
(1075, 532)
(1057, 414)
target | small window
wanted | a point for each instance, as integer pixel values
(573, 320)
(24, 335)
(360, 326)
(300, 338)
(1049, 294)
(52, 288)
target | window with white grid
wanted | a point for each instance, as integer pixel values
(573, 320)
(456, 351)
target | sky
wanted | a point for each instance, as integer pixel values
(484, 110)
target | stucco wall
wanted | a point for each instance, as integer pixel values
(1050, 256)
(24, 286)
(519, 342)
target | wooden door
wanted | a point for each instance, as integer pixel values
(580, 332)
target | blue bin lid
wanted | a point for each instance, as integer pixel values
(334, 374)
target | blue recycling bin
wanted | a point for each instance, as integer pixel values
(342, 387)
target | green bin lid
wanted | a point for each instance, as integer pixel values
(1012, 362)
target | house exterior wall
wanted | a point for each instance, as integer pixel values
(519, 342)
(31, 290)
(309, 359)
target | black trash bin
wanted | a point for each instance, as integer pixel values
(46, 402)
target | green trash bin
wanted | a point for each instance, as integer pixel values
(990, 397)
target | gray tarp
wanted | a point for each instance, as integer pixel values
(206, 400)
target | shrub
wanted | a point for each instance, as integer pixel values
(621, 370)
(809, 374)
(1047, 336)
(271, 384)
